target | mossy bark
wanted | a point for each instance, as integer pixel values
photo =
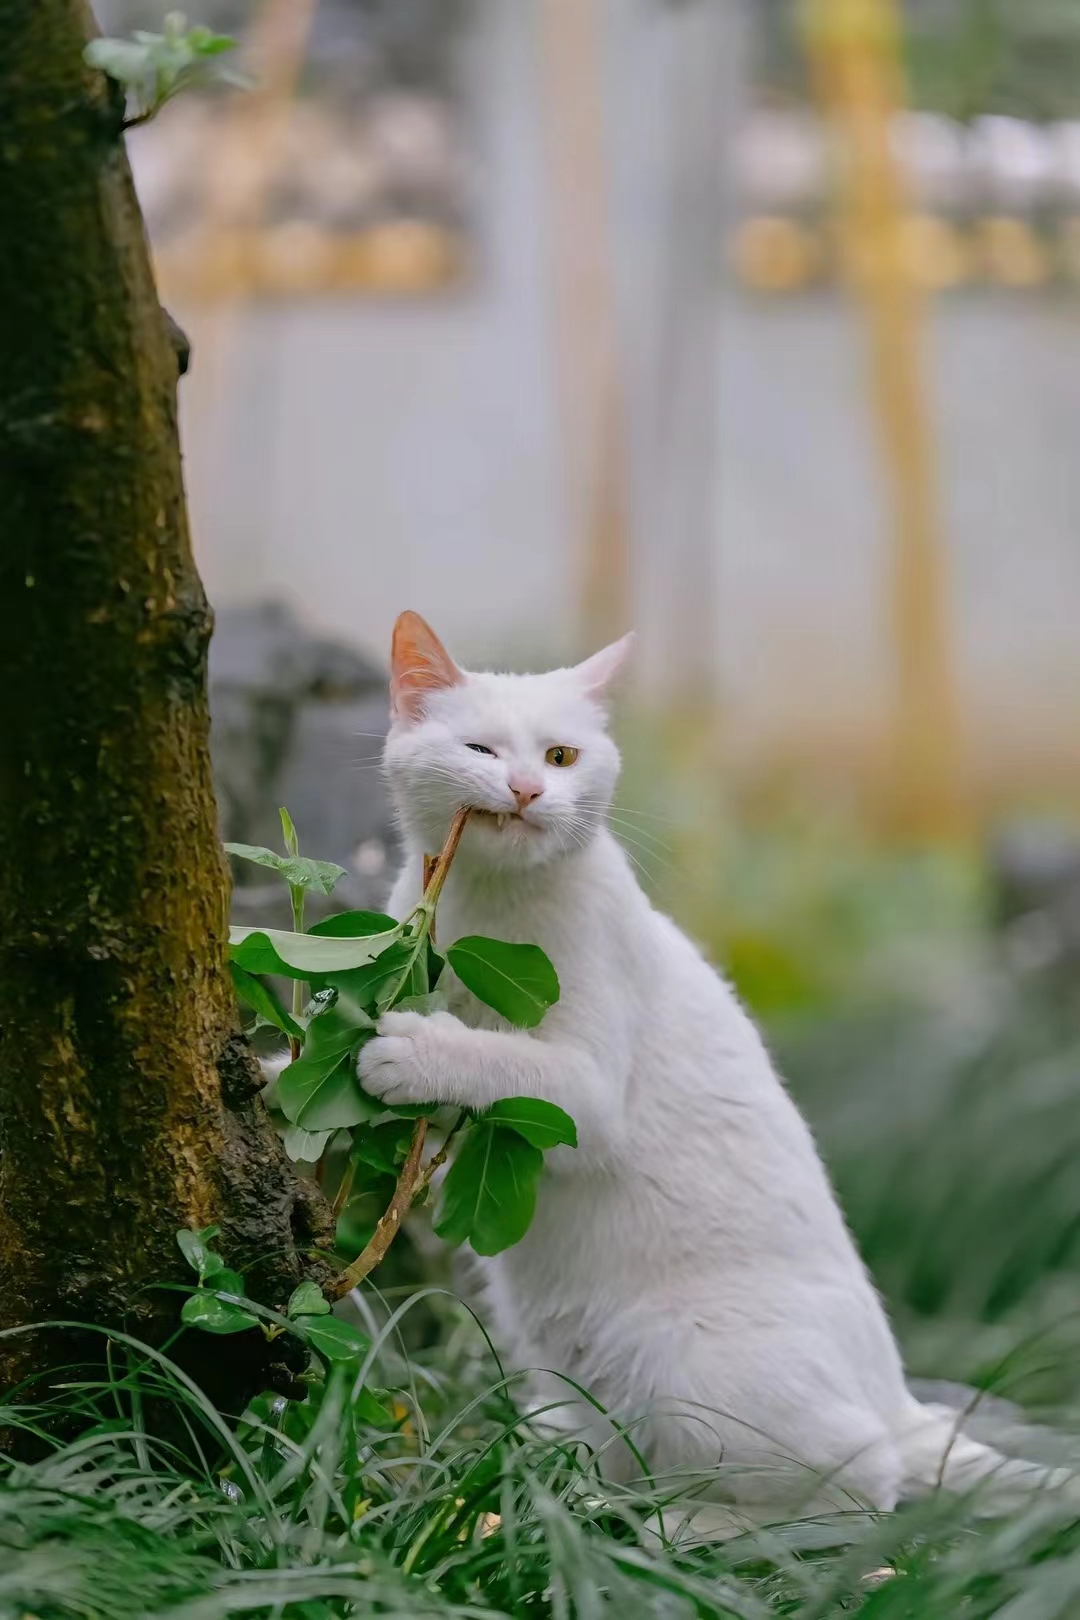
(128, 1098)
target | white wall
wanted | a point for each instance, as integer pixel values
(358, 456)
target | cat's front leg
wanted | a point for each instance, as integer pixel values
(423, 1058)
(435, 1058)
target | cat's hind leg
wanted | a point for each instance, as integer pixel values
(769, 1427)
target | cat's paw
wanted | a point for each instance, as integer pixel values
(406, 1062)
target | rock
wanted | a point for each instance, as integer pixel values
(1035, 870)
(298, 720)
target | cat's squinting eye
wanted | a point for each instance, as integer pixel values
(481, 748)
(562, 755)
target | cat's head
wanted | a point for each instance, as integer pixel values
(529, 753)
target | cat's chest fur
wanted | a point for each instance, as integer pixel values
(571, 911)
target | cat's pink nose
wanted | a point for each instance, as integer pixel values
(525, 790)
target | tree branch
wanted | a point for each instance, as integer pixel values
(409, 1183)
(414, 1177)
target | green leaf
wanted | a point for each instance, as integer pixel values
(205, 42)
(228, 1282)
(390, 990)
(517, 980)
(304, 956)
(196, 1250)
(353, 924)
(364, 1208)
(306, 1145)
(257, 854)
(489, 1194)
(383, 1147)
(320, 1092)
(369, 1409)
(204, 1310)
(153, 67)
(297, 870)
(541, 1123)
(308, 1299)
(122, 59)
(331, 1025)
(288, 832)
(416, 986)
(263, 1000)
(302, 873)
(433, 1001)
(334, 1339)
(373, 987)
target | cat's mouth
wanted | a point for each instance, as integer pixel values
(501, 819)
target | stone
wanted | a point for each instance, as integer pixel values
(298, 720)
(1035, 873)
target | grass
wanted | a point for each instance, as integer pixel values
(952, 1130)
(954, 1139)
(306, 1512)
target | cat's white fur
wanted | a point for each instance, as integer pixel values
(688, 1264)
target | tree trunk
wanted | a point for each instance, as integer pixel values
(128, 1097)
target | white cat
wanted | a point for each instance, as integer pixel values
(688, 1264)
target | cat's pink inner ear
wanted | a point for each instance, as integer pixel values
(419, 665)
(598, 673)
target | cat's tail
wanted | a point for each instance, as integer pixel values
(937, 1454)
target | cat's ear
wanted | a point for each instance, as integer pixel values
(598, 673)
(419, 665)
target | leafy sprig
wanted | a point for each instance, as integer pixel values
(153, 68)
(357, 966)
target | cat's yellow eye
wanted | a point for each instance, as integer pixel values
(561, 755)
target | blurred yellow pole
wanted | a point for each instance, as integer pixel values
(855, 54)
(592, 406)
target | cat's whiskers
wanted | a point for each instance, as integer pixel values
(587, 823)
(648, 840)
(645, 815)
(580, 826)
(618, 814)
(615, 812)
(566, 830)
(601, 815)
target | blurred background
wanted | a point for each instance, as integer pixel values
(755, 325)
